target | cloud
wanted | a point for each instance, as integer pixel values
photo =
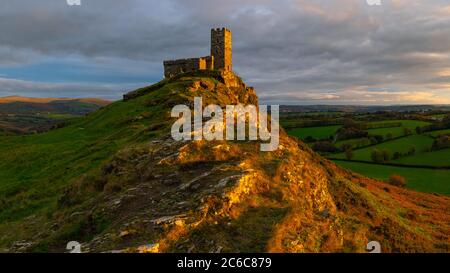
(316, 50)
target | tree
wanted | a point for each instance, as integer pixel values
(325, 146)
(310, 139)
(386, 155)
(407, 131)
(349, 153)
(412, 151)
(418, 130)
(377, 156)
(441, 142)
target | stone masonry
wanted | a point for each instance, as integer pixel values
(220, 58)
(221, 49)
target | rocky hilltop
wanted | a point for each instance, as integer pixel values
(152, 194)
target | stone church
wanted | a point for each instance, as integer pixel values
(220, 58)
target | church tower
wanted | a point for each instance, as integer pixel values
(221, 49)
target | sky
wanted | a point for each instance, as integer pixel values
(291, 51)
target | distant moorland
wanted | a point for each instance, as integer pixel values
(22, 115)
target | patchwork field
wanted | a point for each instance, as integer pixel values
(315, 132)
(388, 144)
(401, 145)
(395, 131)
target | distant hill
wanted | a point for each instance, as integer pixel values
(115, 180)
(11, 99)
(23, 115)
(361, 108)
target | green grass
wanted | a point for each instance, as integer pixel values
(36, 168)
(354, 142)
(411, 124)
(424, 180)
(434, 158)
(439, 133)
(402, 145)
(395, 131)
(315, 132)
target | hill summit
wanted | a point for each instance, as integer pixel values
(129, 187)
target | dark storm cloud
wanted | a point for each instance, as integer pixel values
(290, 50)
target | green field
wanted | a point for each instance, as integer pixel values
(395, 131)
(315, 132)
(411, 124)
(425, 180)
(402, 145)
(439, 133)
(354, 142)
(434, 158)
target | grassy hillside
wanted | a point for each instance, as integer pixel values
(35, 168)
(116, 180)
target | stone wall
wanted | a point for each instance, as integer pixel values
(175, 67)
(209, 62)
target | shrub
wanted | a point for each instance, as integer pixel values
(310, 139)
(325, 146)
(386, 155)
(441, 142)
(377, 156)
(397, 180)
(346, 146)
(350, 133)
(380, 156)
(397, 155)
(412, 151)
(418, 130)
(349, 153)
(407, 131)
